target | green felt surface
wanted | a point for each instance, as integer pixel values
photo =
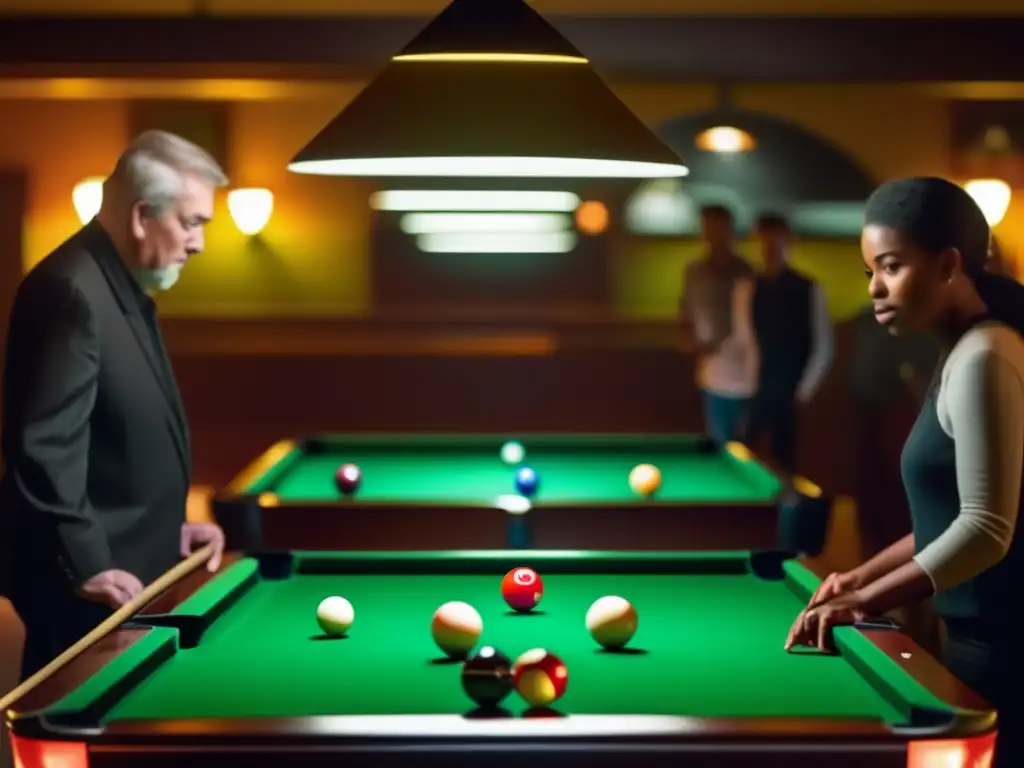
(709, 645)
(472, 472)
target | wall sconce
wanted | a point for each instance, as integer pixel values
(992, 196)
(87, 196)
(251, 209)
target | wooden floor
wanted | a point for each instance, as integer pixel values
(843, 552)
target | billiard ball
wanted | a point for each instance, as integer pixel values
(522, 589)
(612, 621)
(487, 676)
(348, 478)
(456, 627)
(540, 677)
(513, 452)
(645, 479)
(335, 615)
(527, 481)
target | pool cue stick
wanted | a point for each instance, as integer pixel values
(112, 622)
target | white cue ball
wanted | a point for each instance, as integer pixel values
(612, 621)
(513, 453)
(456, 627)
(335, 615)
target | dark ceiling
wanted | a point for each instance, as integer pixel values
(749, 49)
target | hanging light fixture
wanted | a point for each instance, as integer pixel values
(488, 89)
(725, 137)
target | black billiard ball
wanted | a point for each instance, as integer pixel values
(348, 478)
(487, 676)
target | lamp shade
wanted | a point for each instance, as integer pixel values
(488, 88)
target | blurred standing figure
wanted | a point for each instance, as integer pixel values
(790, 326)
(725, 371)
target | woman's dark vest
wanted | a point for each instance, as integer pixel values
(928, 466)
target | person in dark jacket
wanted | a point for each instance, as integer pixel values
(793, 341)
(95, 442)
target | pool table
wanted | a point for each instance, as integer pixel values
(432, 491)
(233, 669)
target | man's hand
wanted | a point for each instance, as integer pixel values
(113, 588)
(196, 535)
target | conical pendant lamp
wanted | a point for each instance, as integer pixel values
(488, 89)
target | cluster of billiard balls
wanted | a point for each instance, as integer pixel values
(539, 676)
(488, 676)
(644, 479)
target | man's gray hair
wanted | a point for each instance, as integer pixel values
(153, 169)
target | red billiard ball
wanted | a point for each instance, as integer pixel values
(348, 479)
(540, 677)
(522, 589)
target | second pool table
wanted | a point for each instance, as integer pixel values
(232, 669)
(430, 491)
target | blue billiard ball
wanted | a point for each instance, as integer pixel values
(527, 481)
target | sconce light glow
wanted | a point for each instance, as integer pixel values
(250, 208)
(992, 196)
(87, 196)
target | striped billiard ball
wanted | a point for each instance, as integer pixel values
(540, 677)
(522, 589)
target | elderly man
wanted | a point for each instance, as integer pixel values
(95, 441)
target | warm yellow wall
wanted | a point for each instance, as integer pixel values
(890, 130)
(647, 279)
(36, 136)
(312, 258)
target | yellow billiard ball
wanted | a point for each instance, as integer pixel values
(645, 479)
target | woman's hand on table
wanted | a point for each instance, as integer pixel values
(813, 626)
(196, 535)
(834, 585)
